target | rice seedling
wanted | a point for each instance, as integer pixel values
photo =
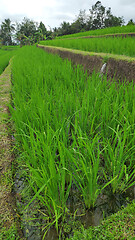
(116, 154)
(85, 166)
(48, 181)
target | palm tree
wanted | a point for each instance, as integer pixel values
(6, 32)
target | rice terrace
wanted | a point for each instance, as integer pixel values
(67, 136)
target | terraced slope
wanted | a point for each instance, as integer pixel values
(117, 66)
(124, 30)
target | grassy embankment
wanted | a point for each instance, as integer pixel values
(120, 225)
(72, 131)
(8, 228)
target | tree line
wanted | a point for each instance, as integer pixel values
(29, 32)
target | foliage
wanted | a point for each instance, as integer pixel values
(64, 29)
(27, 27)
(130, 22)
(28, 32)
(80, 24)
(43, 28)
(99, 17)
(6, 32)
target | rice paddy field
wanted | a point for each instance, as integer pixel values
(101, 32)
(74, 134)
(113, 45)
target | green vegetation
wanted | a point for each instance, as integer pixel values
(122, 46)
(101, 32)
(6, 31)
(71, 130)
(5, 54)
(120, 225)
(10, 233)
(4, 60)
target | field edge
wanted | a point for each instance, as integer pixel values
(9, 219)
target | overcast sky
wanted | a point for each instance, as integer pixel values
(53, 12)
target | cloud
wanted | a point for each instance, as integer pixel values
(54, 12)
(127, 2)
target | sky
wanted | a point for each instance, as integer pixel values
(53, 12)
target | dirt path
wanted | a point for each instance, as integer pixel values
(8, 215)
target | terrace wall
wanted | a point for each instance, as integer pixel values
(116, 68)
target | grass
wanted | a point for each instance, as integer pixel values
(71, 130)
(117, 45)
(120, 225)
(9, 234)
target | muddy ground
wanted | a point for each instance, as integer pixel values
(117, 68)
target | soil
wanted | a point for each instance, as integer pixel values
(119, 68)
(8, 212)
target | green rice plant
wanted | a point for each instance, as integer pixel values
(66, 125)
(113, 45)
(104, 31)
(116, 154)
(4, 59)
(48, 173)
(39, 124)
(85, 161)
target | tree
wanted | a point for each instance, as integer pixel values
(65, 28)
(41, 33)
(6, 32)
(112, 21)
(130, 22)
(26, 31)
(100, 17)
(42, 28)
(97, 15)
(80, 23)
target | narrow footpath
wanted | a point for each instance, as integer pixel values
(9, 219)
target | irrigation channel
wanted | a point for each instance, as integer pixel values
(33, 220)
